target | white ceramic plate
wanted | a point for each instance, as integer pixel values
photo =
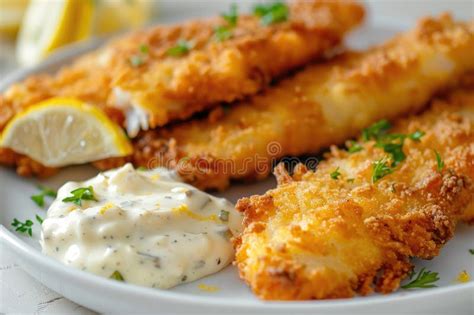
(233, 296)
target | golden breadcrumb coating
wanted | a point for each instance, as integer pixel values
(322, 105)
(134, 78)
(319, 236)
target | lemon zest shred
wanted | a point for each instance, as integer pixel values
(208, 288)
(71, 208)
(184, 209)
(106, 207)
(155, 177)
(463, 277)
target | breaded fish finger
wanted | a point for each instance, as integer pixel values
(322, 105)
(352, 225)
(166, 73)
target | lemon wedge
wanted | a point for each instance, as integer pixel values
(65, 131)
(48, 25)
(11, 14)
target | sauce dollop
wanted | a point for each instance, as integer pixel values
(148, 226)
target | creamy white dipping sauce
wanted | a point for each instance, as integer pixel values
(149, 226)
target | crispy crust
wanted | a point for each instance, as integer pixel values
(322, 105)
(314, 237)
(171, 88)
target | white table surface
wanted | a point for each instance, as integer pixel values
(21, 294)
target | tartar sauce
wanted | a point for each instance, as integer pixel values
(148, 226)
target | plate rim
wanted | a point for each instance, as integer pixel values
(33, 255)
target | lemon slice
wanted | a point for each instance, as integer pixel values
(64, 131)
(48, 25)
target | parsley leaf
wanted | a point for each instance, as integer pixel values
(23, 227)
(222, 33)
(116, 275)
(394, 148)
(39, 219)
(39, 198)
(471, 251)
(376, 131)
(439, 161)
(380, 169)
(79, 194)
(181, 48)
(335, 174)
(139, 59)
(416, 136)
(272, 13)
(354, 147)
(144, 49)
(233, 15)
(424, 280)
(136, 61)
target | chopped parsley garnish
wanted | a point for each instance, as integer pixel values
(139, 59)
(39, 198)
(272, 13)
(350, 180)
(394, 148)
(224, 215)
(335, 174)
(79, 194)
(23, 227)
(141, 168)
(424, 280)
(181, 48)
(144, 49)
(136, 60)
(39, 219)
(222, 33)
(380, 169)
(354, 147)
(116, 275)
(439, 161)
(376, 131)
(416, 136)
(233, 15)
(471, 251)
(390, 143)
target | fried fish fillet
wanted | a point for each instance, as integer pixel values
(322, 105)
(138, 79)
(320, 235)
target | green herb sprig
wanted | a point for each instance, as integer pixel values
(181, 48)
(335, 174)
(439, 161)
(79, 194)
(140, 58)
(224, 32)
(424, 280)
(471, 250)
(45, 192)
(380, 169)
(116, 275)
(23, 227)
(232, 16)
(354, 147)
(272, 13)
